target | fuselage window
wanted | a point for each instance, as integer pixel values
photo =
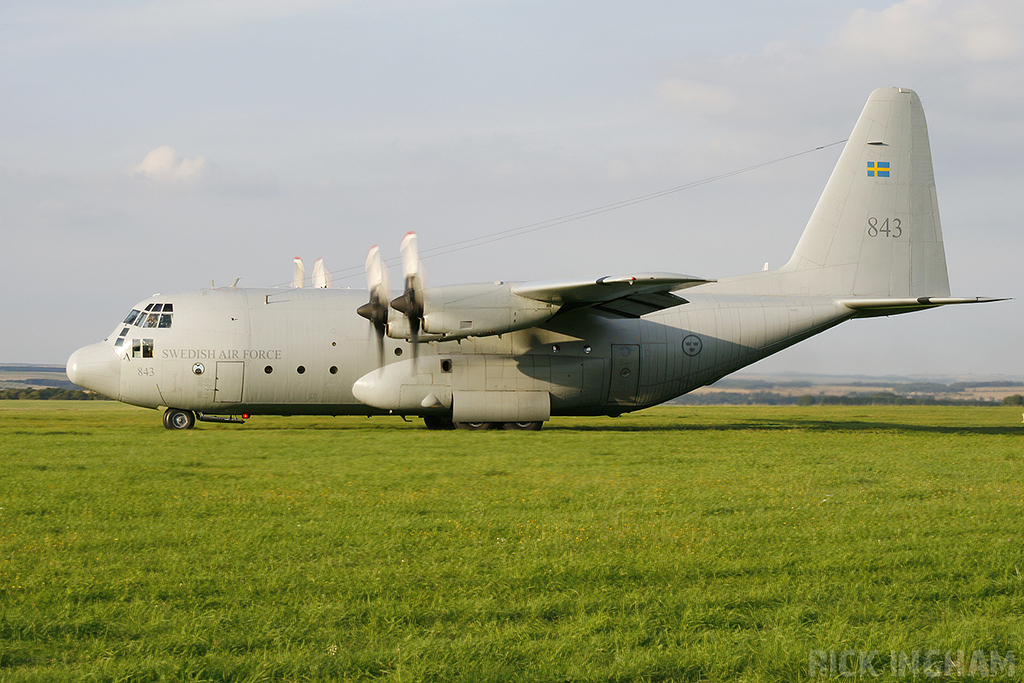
(124, 333)
(119, 343)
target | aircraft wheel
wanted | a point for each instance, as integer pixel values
(474, 426)
(438, 422)
(176, 418)
(523, 426)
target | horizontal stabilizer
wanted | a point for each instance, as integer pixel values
(867, 308)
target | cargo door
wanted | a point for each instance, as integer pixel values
(625, 374)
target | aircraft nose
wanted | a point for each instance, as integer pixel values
(96, 367)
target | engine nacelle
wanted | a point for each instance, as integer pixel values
(479, 310)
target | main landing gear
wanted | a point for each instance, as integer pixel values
(523, 426)
(444, 422)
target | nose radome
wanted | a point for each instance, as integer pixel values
(96, 367)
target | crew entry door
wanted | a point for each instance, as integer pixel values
(228, 387)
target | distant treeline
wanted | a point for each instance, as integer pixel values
(43, 382)
(907, 387)
(49, 394)
(881, 398)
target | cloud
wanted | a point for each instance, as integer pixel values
(692, 97)
(932, 31)
(144, 22)
(958, 54)
(163, 163)
(163, 167)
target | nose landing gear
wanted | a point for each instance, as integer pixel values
(176, 418)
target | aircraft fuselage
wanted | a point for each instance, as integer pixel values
(300, 351)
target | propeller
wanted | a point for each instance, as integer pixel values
(299, 278)
(412, 300)
(376, 309)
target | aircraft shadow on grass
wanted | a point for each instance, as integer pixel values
(798, 424)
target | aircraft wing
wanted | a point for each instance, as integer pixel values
(628, 295)
(867, 307)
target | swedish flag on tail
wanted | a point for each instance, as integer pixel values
(878, 169)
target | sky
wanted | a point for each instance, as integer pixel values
(158, 146)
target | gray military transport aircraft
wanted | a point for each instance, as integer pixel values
(512, 355)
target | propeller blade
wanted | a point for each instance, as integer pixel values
(410, 256)
(299, 277)
(376, 309)
(321, 276)
(376, 274)
(412, 300)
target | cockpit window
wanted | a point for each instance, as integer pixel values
(153, 317)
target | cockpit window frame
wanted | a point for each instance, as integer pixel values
(154, 316)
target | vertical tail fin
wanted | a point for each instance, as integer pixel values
(875, 230)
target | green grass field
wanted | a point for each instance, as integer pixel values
(749, 544)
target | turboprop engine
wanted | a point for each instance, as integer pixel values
(444, 313)
(460, 311)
